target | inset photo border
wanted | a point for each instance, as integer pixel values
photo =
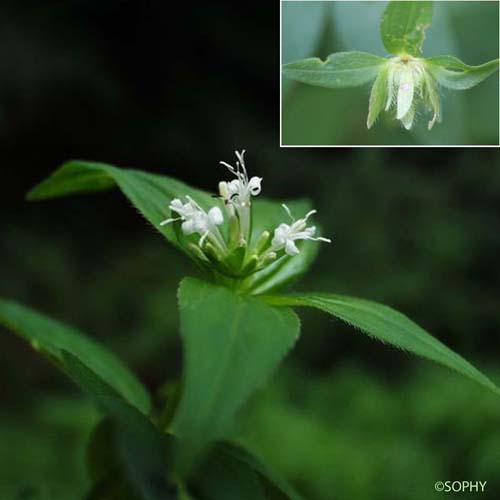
(389, 74)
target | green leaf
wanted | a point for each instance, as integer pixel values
(378, 97)
(112, 487)
(51, 337)
(232, 344)
(342, 69)
(389, 326)
(140, 446)
(151, 194)
(275, 486)
(454, 74)
(101, 456)
(229, 471)
(104, 465)
(403, 27)
(224, 478)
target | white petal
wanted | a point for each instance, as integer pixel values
(306, 234)
(390, 89)
(279, 237)
(188, 227)
(407, 120)
(406, 89)
(200, 222)
(281, 234)
(234, 187)
(283, 230)
(277, 242)
(176, 205)
(254, 185)
(215, 216)
(291, 248)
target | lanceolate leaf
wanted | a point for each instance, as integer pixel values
(452, 73)
(51, 337)
(403, 26)
(343, 69)
(232, 344)
(387, 325)
(151, 195)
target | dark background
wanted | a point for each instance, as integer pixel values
(174, 89)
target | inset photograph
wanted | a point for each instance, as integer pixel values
(398, 73)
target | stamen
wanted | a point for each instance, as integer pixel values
(229, 167)
(241, 156)
(287, 210)
(169, 221)
(194, 203)
(311, 212)
(241, 163)
(203, 238)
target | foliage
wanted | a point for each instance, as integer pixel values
(351, 433)
(234, 335)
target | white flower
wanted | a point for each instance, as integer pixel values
(285, 235)
(239, 191)
(196, 220)
(231, 252)
(406, 80)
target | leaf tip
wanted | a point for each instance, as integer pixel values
(32, 194)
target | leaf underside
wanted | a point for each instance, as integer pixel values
(389, 326)
(342, 69)
(454, 74)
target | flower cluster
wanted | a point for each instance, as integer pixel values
(232, 252)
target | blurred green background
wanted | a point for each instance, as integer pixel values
(318, 116)
(345, 417)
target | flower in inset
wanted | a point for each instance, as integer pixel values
(402, 83)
